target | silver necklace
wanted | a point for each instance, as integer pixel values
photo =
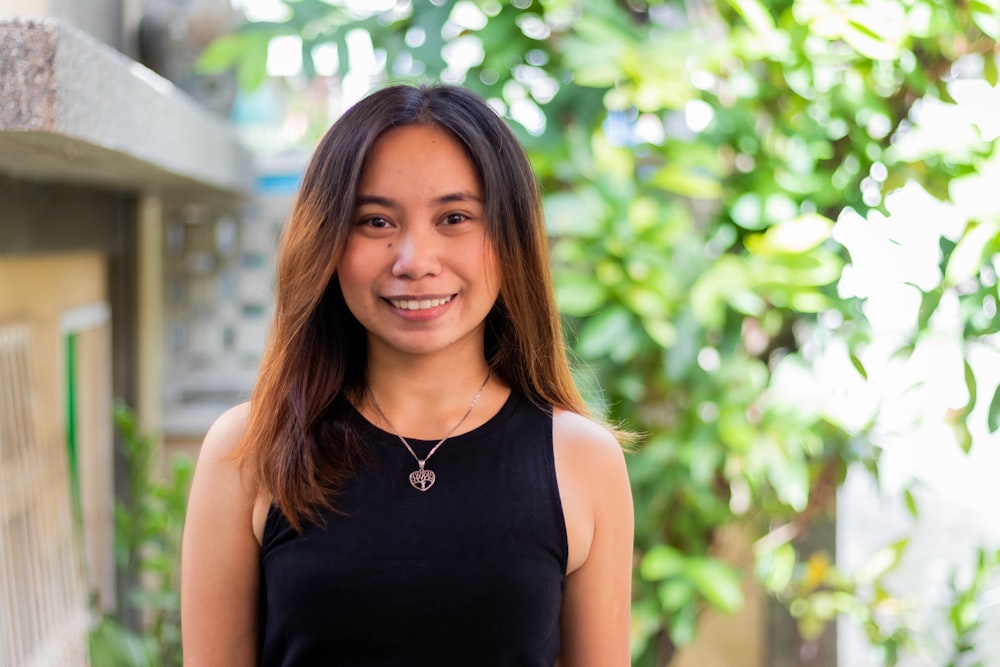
(422, 479)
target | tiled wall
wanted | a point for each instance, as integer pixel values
(219, 287)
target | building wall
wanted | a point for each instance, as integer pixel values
(41, 288)
(62, 296)
(54, 316)
(83, 189)
(218, 293)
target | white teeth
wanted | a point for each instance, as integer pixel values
(418, 304)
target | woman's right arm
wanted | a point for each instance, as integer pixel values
(220, 555)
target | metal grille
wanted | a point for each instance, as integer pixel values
(43, 599)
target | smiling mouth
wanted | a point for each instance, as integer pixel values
(420, 304)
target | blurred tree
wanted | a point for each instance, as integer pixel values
(699, 157)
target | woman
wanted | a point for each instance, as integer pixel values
(415, 480)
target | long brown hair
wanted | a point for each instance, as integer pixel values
(298, 447)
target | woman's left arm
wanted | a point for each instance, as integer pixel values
(597, 505)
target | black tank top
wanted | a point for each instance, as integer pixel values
(469, 572)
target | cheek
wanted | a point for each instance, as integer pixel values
(355, 265)
(353, 281)
(345, 278)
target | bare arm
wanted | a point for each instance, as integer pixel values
(597, 504)
(219, 567)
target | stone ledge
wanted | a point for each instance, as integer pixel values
(72, 109)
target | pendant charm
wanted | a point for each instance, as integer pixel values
(421, 479)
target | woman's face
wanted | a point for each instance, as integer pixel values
(419, 271)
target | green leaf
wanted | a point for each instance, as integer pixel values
(675, 594)
(809, 301)
(962, 434)
(747, 211)
(646, 301)
(776, 457)
(609, 333)
(717, 582)
(223, 54)
(787, 272)
(114, 645)
(578, 214)
(687, 182)
(967, 257)
(723, 282)
(883, 561)
(595, 52)
(970, 385)
(858, 366)
(796, 236)
(756, 16)
(986, 16)
(876, 30)
(911, 503)
(683, 625)
(246, 51)
(308, 64)
(661, 330)
(929, 302)
(580, 295)
(777, 567)
(990, 71)
(661, 562)
(993, 415)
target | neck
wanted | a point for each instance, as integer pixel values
(424, 397)
(392, 373)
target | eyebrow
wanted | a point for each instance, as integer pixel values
(449, 198)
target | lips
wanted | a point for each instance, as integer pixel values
(419, 303)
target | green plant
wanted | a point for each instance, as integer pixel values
(817, 592)
(965, 613)
(115, 645)
(148, 529)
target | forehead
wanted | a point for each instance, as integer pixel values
(418, 152)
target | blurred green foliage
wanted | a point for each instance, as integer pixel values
(966, 612)
(697, 157)
(147, 555)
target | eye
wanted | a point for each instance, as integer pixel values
(454, 218)
(375, 221)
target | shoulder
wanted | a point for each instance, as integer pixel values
(585, 441)
(219, 479)
(225, 435)
(222, 462)
(593, 485)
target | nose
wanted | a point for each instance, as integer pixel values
(417, 254)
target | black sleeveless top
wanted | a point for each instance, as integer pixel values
(469, 572)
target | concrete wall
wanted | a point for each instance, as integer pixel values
(46, 218)
(114, 22)
(61, 299)
(94, 148)
(39, 289)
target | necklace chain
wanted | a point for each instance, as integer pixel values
(422, 479)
